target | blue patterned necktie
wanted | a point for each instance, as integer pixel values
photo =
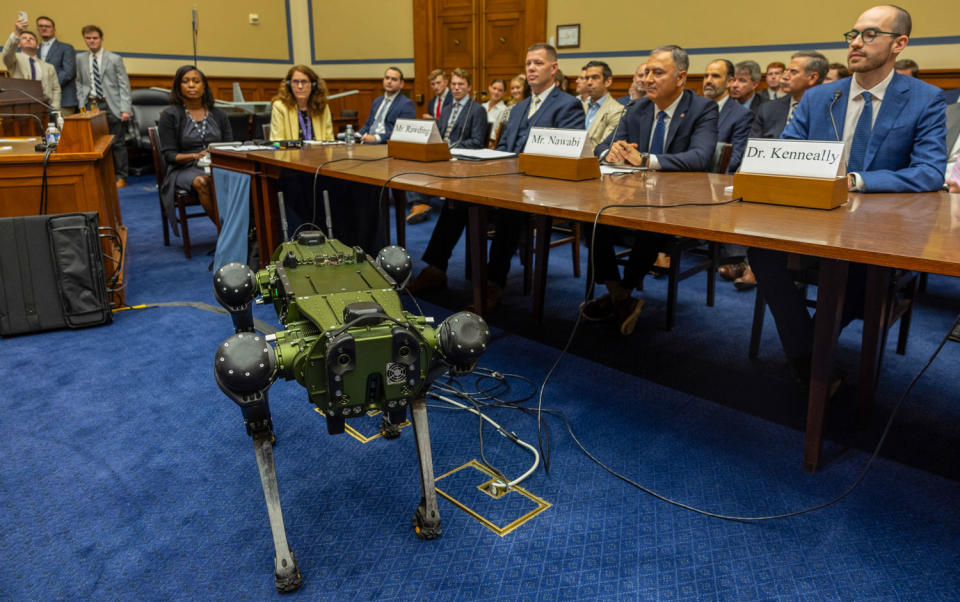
(33, 69)
(656, 145)
(861, 135)
(97, 86)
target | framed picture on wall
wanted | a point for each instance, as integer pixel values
(568, 36)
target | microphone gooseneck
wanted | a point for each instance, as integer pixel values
(836, 97)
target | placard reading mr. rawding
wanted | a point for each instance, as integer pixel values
(420, 131)
(803, 158)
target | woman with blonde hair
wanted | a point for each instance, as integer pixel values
(300, 111)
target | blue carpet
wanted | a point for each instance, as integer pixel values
(128, 474)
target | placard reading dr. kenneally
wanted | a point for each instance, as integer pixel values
(803, 158)
(420, 131)
(557, 142)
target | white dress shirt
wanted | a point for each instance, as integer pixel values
(854, 108)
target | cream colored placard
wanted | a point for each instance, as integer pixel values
(557, 142)
(418, 131)
(801, 158)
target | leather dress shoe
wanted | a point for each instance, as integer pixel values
(731, 271)
(746, 281)
(599, 309)
(419, 213)
(431, 278)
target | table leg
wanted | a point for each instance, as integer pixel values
(543, 224)
(266, 216)
(477, 243)
(830, 293)
(875, 317)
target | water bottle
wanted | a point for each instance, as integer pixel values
(52, 135)
(348, 136)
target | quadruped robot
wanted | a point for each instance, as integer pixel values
(350, 344)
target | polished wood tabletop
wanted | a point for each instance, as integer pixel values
(911, 231)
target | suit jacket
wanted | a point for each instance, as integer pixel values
(447, 101)
(64, 60)
(604, 122)
(285, 123)
(906, 151)
(756, 101)
(952, 96)
(470, 129)
(18, 66)
(771, 118)
(691, 138)
(767, 94)
(733, 126)
(113, 79)
(401, 108)
(953, 131)
(558, 110)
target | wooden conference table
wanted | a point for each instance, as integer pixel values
(886, 231)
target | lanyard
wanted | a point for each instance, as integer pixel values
(306, 126)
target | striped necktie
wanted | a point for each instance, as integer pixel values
(97, 85)
(453, 119)
(534, 105)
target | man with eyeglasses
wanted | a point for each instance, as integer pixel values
(63, 58)
(894, 133)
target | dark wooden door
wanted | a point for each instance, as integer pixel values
(487, 37)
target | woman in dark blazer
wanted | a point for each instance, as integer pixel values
(185, 128)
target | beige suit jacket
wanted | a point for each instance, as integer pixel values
(604, 122)
(18, 66)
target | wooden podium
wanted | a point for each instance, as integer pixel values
(14, 100)
(80, 177)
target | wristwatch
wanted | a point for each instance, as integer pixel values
(645, 162)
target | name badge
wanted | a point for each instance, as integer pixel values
(419, 131)
(803, 158)
(556, 142)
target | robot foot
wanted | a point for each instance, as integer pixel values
(426, 527)
(390, 423)
(290, 580)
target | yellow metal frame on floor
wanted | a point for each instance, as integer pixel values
(501, 531)
(360, 436)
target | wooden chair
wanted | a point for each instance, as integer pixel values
(182, 199)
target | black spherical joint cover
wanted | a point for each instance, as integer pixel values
(462, 338)
(396, 262)
(245, 365)
(235, 285)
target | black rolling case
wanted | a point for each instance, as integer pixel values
(51, 273)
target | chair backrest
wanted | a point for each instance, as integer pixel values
(159, 165)
(266, 131)
(721, 157)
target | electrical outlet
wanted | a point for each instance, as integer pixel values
(254, 19)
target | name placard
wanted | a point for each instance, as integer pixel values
(802, 158)
(557, 142)
(418, 131)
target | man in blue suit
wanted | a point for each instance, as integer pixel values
(894, 130)
(387, 109)
(671, 129)
(735, 119)
(547, 106)
(64, 60)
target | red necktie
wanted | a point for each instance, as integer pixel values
(439, 104)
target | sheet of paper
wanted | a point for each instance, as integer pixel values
(481, 154)
(617, 169)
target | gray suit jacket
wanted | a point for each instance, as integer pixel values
(63, 58)
(113, 77)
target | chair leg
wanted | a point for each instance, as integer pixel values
(166, 227)
(673, 282)
(759, 309)
(526, 254)
(184, 228)
(923, 283)
(575, 226)
(400, 215)
(714, 250)
(912, 292)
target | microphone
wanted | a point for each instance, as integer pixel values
(836, 97)
(59, 117)
(40, 123)
(463, 129)
(613, 137)
(196, 21)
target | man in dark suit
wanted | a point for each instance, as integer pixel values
(744, 87)
(807, 68)
(952, 96)
(102, 81)
(880, 157)
(387, 109)
(671, 129)
(64, 60)
(636, 86)
(463, 125)
(547, 106)
(420, 208)
(735, 119)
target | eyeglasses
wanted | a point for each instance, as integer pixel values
(299, 82)
(867, 35)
